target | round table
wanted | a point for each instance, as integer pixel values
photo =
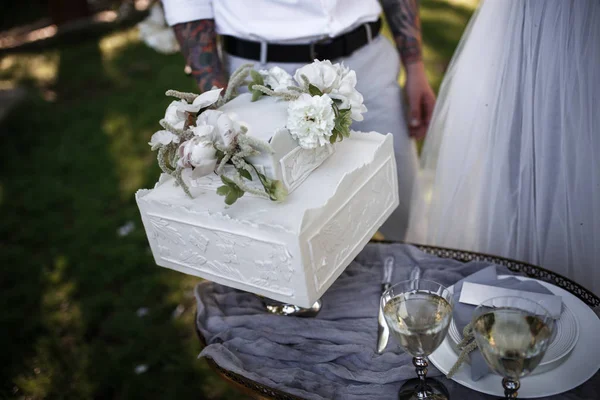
(260, 391)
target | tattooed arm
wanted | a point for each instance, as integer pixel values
(198, 42)
(405, 24)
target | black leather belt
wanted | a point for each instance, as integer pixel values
(329, 49)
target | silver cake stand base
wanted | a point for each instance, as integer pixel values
(278, 308)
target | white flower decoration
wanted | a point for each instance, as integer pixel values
(198, 153)
(204, 131)
(347, 93)
(277, 79)
(311, 120)
(204, 100)
(175, 115)
(163, 137)
(336, 80)
(322, 74)
(226, 128)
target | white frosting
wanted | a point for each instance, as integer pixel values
(262, 117)
(290, 251)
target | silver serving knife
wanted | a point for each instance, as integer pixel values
(383, 332)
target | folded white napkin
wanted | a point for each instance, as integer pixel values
(463, 313)
(477, 293)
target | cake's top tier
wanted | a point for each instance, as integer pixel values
(262, 118)
(265, 143)
(287, 161)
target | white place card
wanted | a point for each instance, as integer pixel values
(476, 293)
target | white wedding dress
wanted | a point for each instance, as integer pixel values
(512, 158)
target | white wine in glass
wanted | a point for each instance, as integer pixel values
(418, 313)
(512, 334)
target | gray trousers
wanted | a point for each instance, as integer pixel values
(377, 67)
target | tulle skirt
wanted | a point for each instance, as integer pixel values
(512, 159)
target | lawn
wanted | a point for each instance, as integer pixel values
(85, 311)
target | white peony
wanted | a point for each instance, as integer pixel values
(346, 92)
(175, 115)
(163, 137)
(198, 153)
(226, 128)
(336, 80)
(311, 120)
(322, 74)
(277, 79)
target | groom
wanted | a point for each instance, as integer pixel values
(291, 33)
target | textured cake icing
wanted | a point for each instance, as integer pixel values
(290, 251)
(278, 194)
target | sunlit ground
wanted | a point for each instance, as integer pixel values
(85, 311)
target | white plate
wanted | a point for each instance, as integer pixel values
(566, 334)
(580, 365)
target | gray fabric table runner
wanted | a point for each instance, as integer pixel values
(331, 356)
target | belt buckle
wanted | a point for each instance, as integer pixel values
(369, 32)
(313, 52)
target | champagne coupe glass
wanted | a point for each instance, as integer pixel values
(418, 313)
(512, 334)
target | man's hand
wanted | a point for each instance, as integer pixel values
(404, 22)
(198, 42)
(421, 100)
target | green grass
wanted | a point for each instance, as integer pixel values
(73, 155)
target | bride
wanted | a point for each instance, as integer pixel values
(512, 157)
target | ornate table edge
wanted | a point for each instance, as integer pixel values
(257, 390)
(530, 270)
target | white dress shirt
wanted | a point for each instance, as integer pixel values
(289, 21)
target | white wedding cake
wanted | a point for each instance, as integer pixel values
(270, 191)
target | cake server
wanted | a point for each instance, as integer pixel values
(383, 332)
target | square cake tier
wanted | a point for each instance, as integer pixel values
(291, 251)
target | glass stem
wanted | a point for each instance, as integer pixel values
(421, 365)
(510, 387)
